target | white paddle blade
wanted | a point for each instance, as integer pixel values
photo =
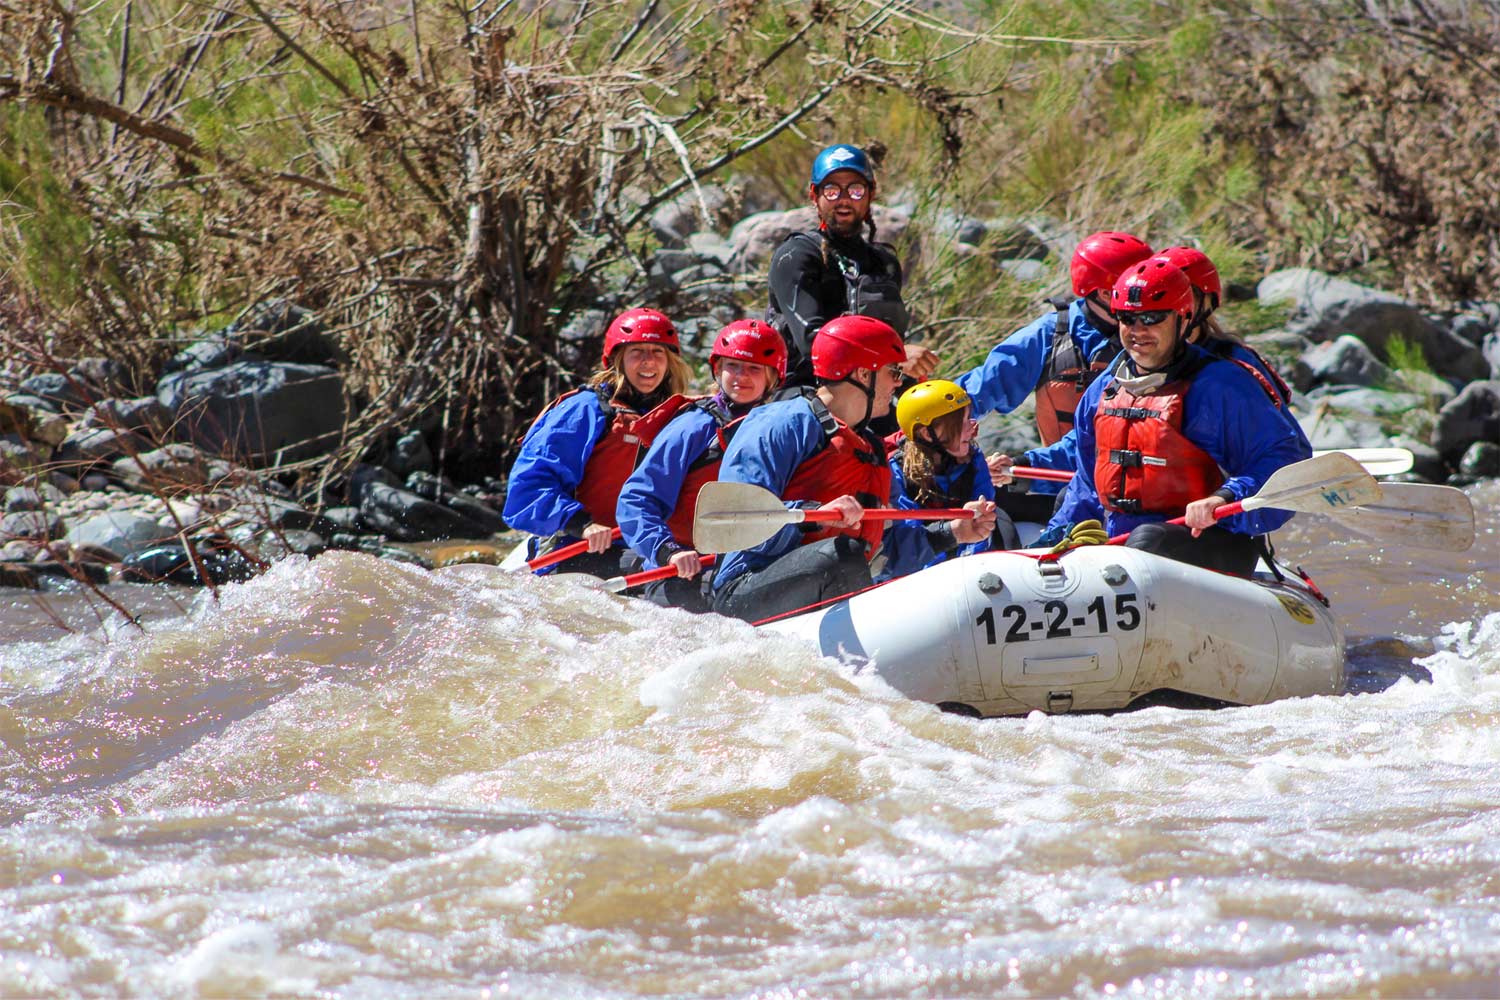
(1440, 518)
(1321, 485)
(734, 516)
(1378, 461)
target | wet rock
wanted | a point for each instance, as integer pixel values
(440, 490)
(1473, 415)
(34, 524)
(273, 545)
(363, 476)
(429, 486)
(1345, 361)
(174, 564)
(1481, 460)
(119, 533)
(260, 412)
(279, 513)
(18, 575)
(99, 445)
(410, 454)
(170, 468)
(1492, 354)
(405, 516)
(477, 511)
(344, 519)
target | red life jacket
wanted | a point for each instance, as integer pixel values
(615, 454)
(704, 469)
(1143, 463)
(848, 463)
(1066, 376)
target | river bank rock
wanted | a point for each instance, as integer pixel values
(259, 412)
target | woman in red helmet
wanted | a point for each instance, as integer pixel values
(567, 476)
(655, 510)
(1173, 431)
(816, 451)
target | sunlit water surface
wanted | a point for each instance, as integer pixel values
(353, 778)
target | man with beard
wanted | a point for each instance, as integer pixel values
(838, 270)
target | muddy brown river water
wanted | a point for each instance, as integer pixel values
(353, 778)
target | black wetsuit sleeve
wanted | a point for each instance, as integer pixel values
(797, 281)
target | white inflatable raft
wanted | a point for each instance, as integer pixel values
(1105, 626)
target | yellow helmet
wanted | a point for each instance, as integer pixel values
(926, 401)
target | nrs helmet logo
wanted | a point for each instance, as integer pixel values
(1300, 612)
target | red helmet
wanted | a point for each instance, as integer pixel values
(849, 342)
(751, 340)
(1200, 270)
(1101, 258)
(1155, 284)
(640, 326)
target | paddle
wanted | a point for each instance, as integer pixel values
(566, 552)
(1422, 516)
(615, 584)
(1376, 461)
(1329, 483)
(734, 516)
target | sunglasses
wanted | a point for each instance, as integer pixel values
(855, 190)
(1147, 318)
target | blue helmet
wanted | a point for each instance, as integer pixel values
(841, 157)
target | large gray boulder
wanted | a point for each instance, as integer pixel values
(1473, 415)
(754, 238)
(407, 517)
(1345, 361)
(1328, 307)
(119, 532)
(259, 412)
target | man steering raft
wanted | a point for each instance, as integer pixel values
(816, 451)
(1174, 431)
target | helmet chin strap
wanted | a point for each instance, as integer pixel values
(869, 392)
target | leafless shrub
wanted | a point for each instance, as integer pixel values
(443, 184)
(1376, 129)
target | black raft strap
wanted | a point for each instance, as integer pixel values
(1125, 459)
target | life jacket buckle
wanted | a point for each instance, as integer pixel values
(1126, 459)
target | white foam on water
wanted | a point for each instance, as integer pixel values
(355, 778)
